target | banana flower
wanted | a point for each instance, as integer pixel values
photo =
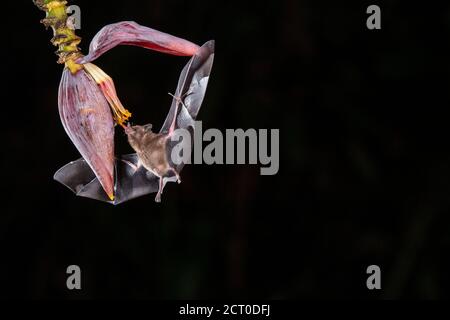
(87, 100)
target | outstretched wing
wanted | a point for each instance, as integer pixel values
(130, 182)
(191, 88)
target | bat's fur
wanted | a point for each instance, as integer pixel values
(152, 152)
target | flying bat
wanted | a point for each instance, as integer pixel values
(151, 167)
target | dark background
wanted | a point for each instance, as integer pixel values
(364, 159)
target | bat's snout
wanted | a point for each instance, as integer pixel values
(128, 129)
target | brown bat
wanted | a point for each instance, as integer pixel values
(151, 149)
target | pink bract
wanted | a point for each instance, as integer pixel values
(131, 33)
(87, 119)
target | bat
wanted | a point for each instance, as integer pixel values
(150, 168)
(151, 149)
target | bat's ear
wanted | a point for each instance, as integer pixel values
(148, 127)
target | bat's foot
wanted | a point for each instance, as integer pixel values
(160, 190)
(175, 173)
(158, 197)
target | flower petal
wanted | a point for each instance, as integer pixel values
(106, 83)
(131, 33)
(87, 119)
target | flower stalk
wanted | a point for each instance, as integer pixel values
(64, 37)
(67, 41)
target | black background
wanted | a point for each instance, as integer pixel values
(364, 157)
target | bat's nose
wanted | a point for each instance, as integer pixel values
(128, 129)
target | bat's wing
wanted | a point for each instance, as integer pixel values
(78, 177)
(130, 182)
(191, 88)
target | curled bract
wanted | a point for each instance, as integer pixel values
(131, 33)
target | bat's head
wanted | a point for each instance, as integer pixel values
(129, 129)
(136, 134)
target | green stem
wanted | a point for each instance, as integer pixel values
(63, 36)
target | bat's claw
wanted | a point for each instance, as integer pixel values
(178, 99)
(158, 197)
